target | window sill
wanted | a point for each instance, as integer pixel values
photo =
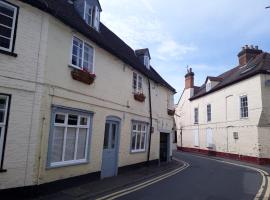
(137, 151)
(3, 170)
(8, 53)
(70, 164)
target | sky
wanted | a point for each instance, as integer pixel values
(204, 35)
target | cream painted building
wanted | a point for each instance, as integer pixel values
(229, 115)
(74, 98)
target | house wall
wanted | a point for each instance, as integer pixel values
(19, 77)
(225, 121)
(264, 124)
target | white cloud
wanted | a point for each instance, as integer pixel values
(140, 27)
(170, 49)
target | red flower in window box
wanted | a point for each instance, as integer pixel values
(171, 112)
(83, 76)
(139, 97)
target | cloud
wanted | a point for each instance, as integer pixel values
(170, 49)
(143, 29)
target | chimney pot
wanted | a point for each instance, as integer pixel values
(248, 53)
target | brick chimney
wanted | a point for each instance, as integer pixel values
(189, 79)
(247, 53)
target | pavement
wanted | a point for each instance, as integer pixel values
(127, 178)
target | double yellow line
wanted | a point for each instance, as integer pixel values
(144, 184)
(265, 186)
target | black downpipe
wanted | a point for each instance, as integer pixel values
(151, 121)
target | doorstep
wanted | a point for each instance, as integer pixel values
(124, 179)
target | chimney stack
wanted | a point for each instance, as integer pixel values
(189, 79)
(247, 53)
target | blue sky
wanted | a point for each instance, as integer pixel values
(206, 35)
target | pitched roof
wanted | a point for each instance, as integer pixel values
(259, 65)
(105, 38)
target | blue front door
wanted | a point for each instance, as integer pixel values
(110, 149)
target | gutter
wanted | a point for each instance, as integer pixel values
(151, 121)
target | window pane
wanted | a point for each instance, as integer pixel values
(4, 42)
(3, 101)
(134, 127)
(4, 31)
(7, 21)
(143, 141)
(57, 144)
(139, 127)
(2, 116)
(72, 119)
(113, 136)
(134, 80)
(106, 136)
(88, 58)
(70, 144)
(138, 141)
(133, 143)
(140, 83)
(83, 121)
(6, 10)
(59, 119)
(81, 143)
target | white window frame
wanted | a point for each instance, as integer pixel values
(96, 18)
(146, 61)
(83, 45)
(66, 126)
(196, 137)
(86, 14)
(3, 126)
(138, 78)
(242, 108)
(14, 19)
(137, 132)
(196, 117)
(209, 113)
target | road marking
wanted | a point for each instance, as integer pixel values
(263, 173)
(144, 184)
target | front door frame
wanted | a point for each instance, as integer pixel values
(117, 120)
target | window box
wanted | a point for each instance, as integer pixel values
(171, 112)
(83, 76)
(139, 97)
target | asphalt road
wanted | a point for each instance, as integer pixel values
(204, 179)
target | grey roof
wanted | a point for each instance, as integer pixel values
(105, 38)
(259, 65)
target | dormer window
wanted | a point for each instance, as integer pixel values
(147, 62)
(208, 86)
(92, 15)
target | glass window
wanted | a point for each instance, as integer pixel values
(8, 14)
(209, 113)
(196, 115)
(82, 55)
(138, 137)
(69, 139)
(243, 106)
(106, 136)
(137, 83)
(3, 122)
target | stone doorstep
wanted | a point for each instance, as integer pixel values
(109, 185)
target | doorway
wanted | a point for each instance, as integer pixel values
(109, 166)
(164, 152)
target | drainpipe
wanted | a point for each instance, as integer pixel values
(151, 121)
